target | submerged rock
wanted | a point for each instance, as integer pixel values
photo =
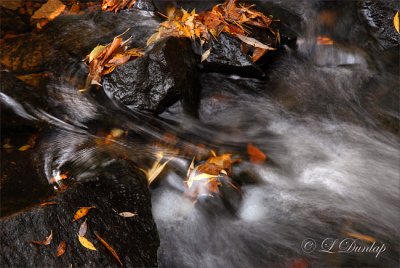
(122, 188)
(165, 74)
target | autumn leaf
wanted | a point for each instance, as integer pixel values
(83, 229)
(112, 251)
(362, 237)
(45, 242)
(256, 155)
(116, 5)
(127, 214)
(50, 10)
(205, 55)
(253, 42)
(24, 148)
(95, 52)
(156, 169)
(82, 212)
(61, 248)
(86, 243)
(49, 203)
(396, 22)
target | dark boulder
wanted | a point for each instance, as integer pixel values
(122, 188)
(165, 74)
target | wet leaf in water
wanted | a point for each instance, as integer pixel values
(156, 169)
(45, 242)
(86, 243)
(95, 52)
(24, 148)
(256, 155)
(127, 214)
(82, 212)
(362, 237)
(83, 229)
(396, 22)
(61, 248)
(112, 251)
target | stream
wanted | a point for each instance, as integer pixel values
(326, 116)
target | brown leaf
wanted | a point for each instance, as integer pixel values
(49, 203)
(112, 251)
(45, 242)
(24, 148)
(253, 42)
(258, 53)
(82, 212)
(61, 248)
(256, 155)
(50, 10)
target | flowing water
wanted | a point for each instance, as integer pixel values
(324, 117)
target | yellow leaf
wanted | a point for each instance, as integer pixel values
(156, 169)
(50, 10)
(113, 252)
(95, 52)
(81, 212)
(205, 55)
(396, 22)
(24, 148)
(86, 243)
(201, 176)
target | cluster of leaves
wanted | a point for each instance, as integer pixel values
(116, 5)
(103, 59)
(227, 17)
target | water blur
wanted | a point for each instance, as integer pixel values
(323, 117)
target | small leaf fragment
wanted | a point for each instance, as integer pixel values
(49, 203)
(82, 212)
(205, 55)
(113, 252)
(45, 242)
(396, 21)
(61, 248)
(362, 237)
(256, 155)
(253, 42)
(83, 229)
(24, 148)
(86, 243)
(127, 214)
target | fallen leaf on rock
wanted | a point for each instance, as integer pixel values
(254, 42)
(112, 251)
(103, 59)
(86, 243)
(82, 212)
(258, 53)
(396, 22)
(45, 242)
(49, 203)
(127, 214)
(205, 55)
(256, 155)
(362, 237)
(324, 40)
(50, 10)
(82, 229)
(61, 248)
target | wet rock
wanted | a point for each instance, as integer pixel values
(121, 188)
(145, 5)
(165, 74)
(66, 40)
(227, 57)
(379, 17)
